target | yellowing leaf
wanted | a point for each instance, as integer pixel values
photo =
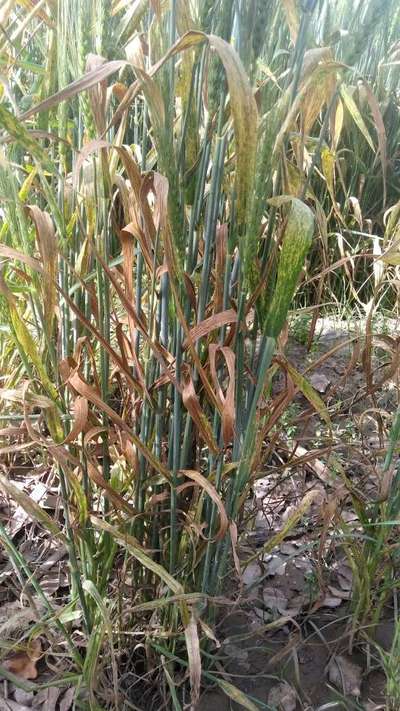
(245, 120)
(28, 347)
(381, 133)
(308, 391)
(47, 243)
(236, 695)
(337, 124)
(328, 170)
(292, 18)
(392, 254)
(26, 341)
(353, 110)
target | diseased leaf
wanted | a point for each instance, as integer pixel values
(47, 243)
(194, 658)
(381, 133)
(226, 402)
(242, 102)
(307, 389)
(354, 112)
(208, 487)
(210, 324)
(236, 695)
(295, 245)
(19, 133)
(292, 18)
(87, 81)
(245, 120)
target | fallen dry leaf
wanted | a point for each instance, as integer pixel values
(67, 699)
(275, 600)
(275, 565)
(47, 699)
(345, 675)
(288, 548)
(319, 468)
(23, 664)
(55, 579)
(13, 617)
(320, 382)
(349, 516)
(251, 574)
(241, 656)
(10, 705)
(345, 576)
(23, 698)
(343, 594)
(330, 601)
(282, 697)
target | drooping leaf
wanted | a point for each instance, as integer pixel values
(309, 392)
(132, 545)
(245, 119)
(354, 112)
(31, 507)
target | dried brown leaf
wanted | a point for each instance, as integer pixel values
(194, 659)
(226, 402)
(211, 324)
